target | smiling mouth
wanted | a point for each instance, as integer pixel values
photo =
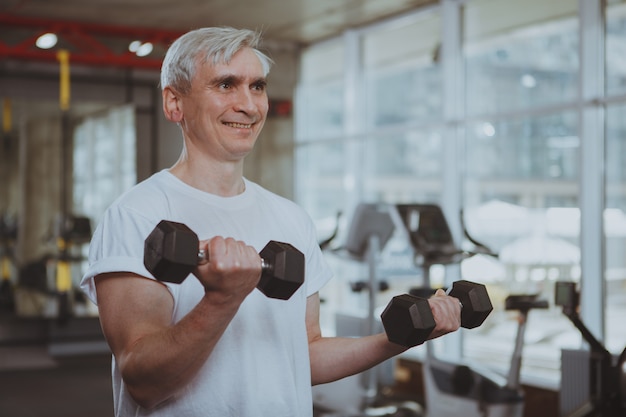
(238, 125)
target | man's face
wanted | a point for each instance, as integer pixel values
(227, 106)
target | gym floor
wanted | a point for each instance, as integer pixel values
(34, 385)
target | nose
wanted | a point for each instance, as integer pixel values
(247, 102)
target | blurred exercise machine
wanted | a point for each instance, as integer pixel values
(451, 388)
(606, 374)
(370, 230)
(454, 389)
(8, 236)
(70, 230)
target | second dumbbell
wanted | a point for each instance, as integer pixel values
(408, 320)
(171, 253)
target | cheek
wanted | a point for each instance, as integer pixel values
(263, 107)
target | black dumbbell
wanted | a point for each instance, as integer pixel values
(171, 252)
(408, 320)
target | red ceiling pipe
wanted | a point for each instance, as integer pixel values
(89, 51)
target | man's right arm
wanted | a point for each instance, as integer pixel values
(156, 357)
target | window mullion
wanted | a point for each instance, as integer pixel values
(592, 184)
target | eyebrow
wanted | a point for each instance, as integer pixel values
(234, 79)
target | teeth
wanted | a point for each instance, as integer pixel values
(239, 125)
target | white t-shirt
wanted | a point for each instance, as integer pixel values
(260, 366)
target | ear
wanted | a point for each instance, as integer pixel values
(172, 105)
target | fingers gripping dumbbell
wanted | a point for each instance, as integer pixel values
(171, 252)
(408, 320)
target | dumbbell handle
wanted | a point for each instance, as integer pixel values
(448, 293)
(203, 257)
(427, 293)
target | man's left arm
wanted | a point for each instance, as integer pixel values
(334, 358)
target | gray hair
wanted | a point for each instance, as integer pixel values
(216, 44)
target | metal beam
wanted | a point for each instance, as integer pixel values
(89, 44)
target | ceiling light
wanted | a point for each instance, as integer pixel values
(46, 41)
(144, 49)
(140, 48)
(134, 46)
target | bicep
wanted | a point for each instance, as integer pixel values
(131, 306)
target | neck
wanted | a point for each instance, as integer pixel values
(223, 179)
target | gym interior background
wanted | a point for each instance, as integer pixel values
(510, 112)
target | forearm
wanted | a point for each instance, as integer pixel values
(162, 362)
(333, 358)
(156, 358)
(336, 358)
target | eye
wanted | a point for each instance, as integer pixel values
(225, 85)
(259, 86)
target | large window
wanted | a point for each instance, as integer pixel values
(402, 167)
(520, 55)
(369, 135)
(104, 163)
(523, 166)
(364, 135)
(320, 158)
(615, 47)
(402, 70)
(515, 158)
(104, 160)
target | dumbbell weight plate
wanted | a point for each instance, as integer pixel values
(475, 300)
(408, 320)
(285, 272)
(171, 251)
